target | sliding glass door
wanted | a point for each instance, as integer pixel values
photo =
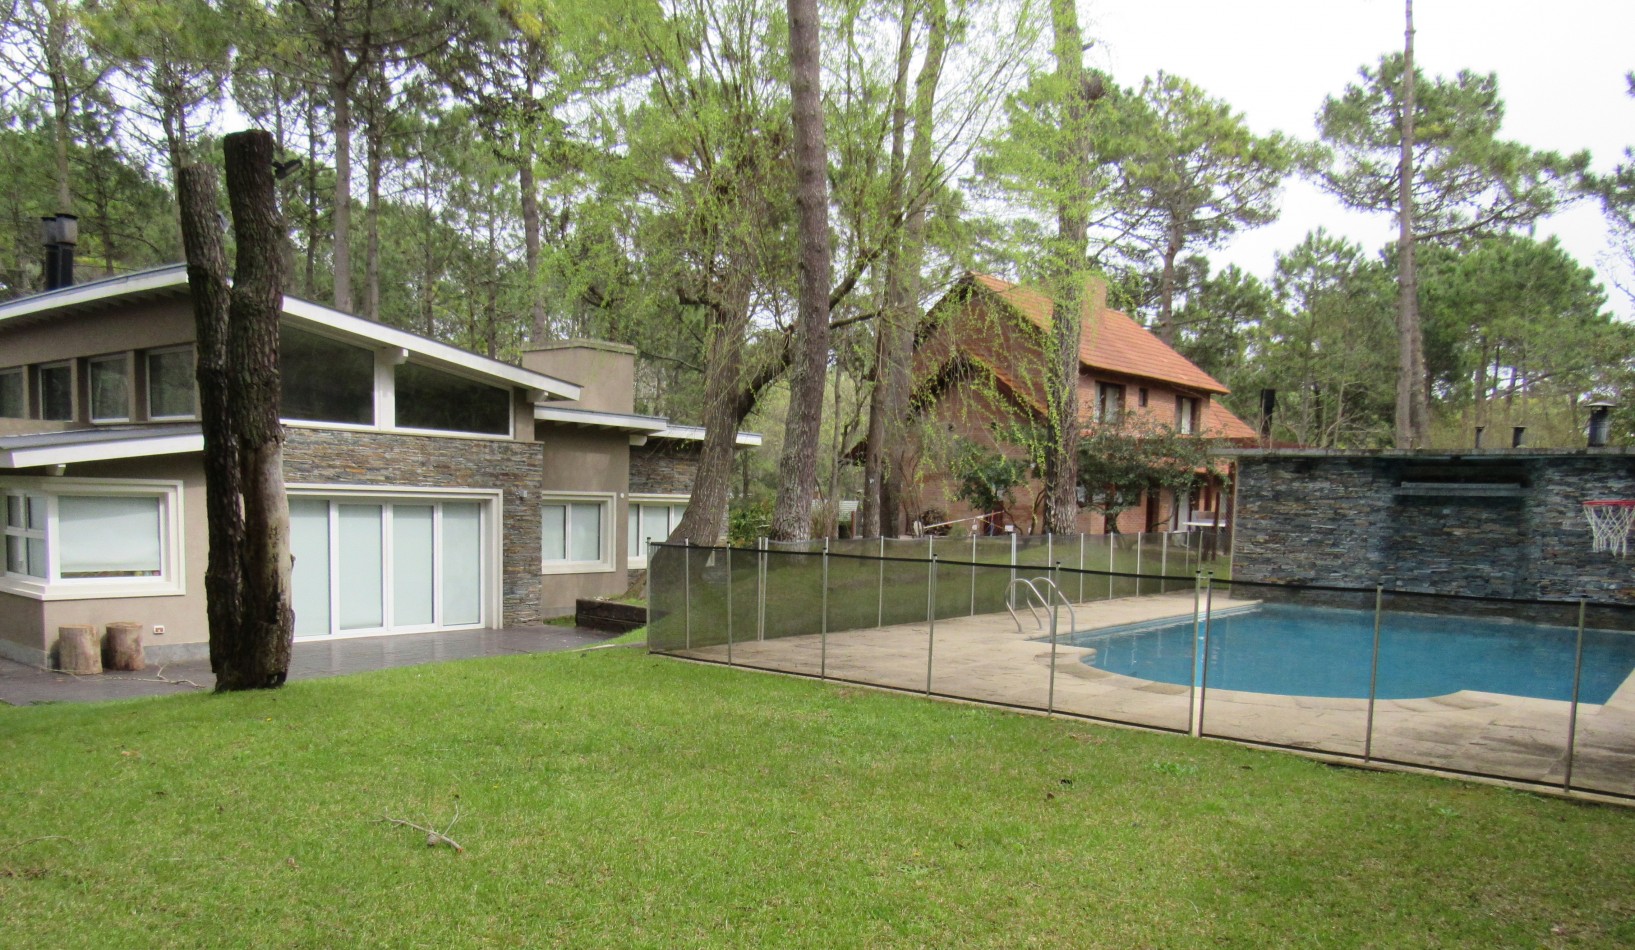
(364, 565)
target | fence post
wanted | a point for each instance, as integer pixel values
(1112, 562)
(729, 603)
(931, 620)
(1572, 718)
(1013, 556)
(1138, 538)
(687, 590)
(1055, 607)
(1050, 549)
(1163, 560)
(823, 629)
(1192, 696)
(1373, 673)
(760, 590)
(973, 571)
(1081, 567)
(880, 607)
(1203, 667)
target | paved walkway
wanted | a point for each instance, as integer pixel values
(21, 684)
(985, 658)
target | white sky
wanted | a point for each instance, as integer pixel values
(1560, 66)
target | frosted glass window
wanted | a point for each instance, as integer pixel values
(110, 389)
(633, 535)
(25, 535)
(13, 404)
(571, 532)
(361, 574)
(36, 513)
(309, 543)
(462, 563)
(412, 581)
(57, 392)
(109, 536)
(170, 384)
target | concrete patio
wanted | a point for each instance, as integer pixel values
(985, 658)
(21, 684)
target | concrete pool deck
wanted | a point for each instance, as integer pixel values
(984, 658)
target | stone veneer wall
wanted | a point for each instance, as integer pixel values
(664, 467)
(378, 459)
(1344, 520)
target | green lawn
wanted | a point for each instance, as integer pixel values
(610, 798)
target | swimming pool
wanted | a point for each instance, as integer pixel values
(1323, 651)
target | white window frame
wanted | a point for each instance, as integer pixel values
(1187, 414)
(172, 577)
(147, 381)
(21, 372)
(636, 558)
(1110, 414)
(39, 390)
(609, 544)
(490, 504)
(91, 392)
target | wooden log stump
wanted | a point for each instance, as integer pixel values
(77, 649)
(122, 647)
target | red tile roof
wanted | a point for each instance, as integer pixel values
(1110, 341)
(1222, 423)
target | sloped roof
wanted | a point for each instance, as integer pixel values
(1109, 340)
(1222, 423)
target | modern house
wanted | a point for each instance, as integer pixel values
(430, 488)
(981, 360)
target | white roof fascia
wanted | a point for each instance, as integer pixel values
(647, 425)
(696, 434)
(96, 290)
(101, 450)
(452, 355)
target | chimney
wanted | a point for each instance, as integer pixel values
(1600, 422)
(59, 233)
(1268, 406)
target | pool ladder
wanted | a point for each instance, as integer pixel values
(1034, 601)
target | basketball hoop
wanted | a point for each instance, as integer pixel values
(1610, 522)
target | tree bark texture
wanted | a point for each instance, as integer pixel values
(122, 647)
(262, 657)
(705, 519)
(1413, 425)
(77, 649)
(541, 328)
(340, 95)
(1072, 227)
(207, 281)
(878, 493)
(797, 469)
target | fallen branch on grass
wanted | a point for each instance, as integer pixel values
(433, 836)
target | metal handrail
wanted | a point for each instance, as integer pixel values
(1072, 618)
(1010, 602)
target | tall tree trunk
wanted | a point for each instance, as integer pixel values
(906, 288)
(797, 469)
(879, 518)
(309, 274)
(340, 95)
(371, 220)
(1413, 406)
(541, 332)
(1072, 226)
(224, 519)
(1166, 290)
(259, 657)
(705, 519)
(62, 100)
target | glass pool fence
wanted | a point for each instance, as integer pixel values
(1140, 630)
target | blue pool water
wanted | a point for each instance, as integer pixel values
(1319, 651)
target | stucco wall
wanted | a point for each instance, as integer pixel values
(580, 459)
(327, 456)
(1351, 521)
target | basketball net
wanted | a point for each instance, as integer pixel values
(1610, 522)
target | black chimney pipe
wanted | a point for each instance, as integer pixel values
(60, 234)
(1516, 433)
(1268, 406)
(1600, 423)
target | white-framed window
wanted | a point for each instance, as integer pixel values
(54, 391)
(1186, 415)
(575, 533)
(171, 383)
(72, 539)
(651, 518)
(14, 393)
(110, 387)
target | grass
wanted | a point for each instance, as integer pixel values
(610, 798)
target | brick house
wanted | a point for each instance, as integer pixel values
(430, 488)
(980, 364)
